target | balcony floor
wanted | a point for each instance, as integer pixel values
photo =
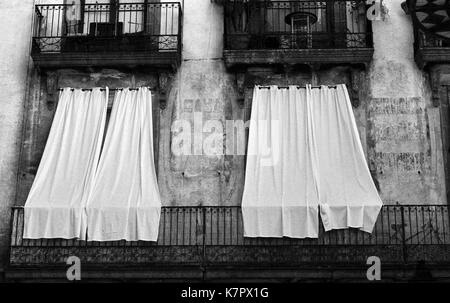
(163, 60)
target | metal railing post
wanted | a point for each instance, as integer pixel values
(12, 236)
(203, 266)
(404, 246)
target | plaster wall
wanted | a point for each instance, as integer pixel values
(403, 127)
(15, 25)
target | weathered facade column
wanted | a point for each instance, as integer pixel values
(15, 22)
(404, 132)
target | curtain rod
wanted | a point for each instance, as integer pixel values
(101, 89)
(287, 87)
(263, 87)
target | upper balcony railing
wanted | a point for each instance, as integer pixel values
(107, 28)
(329, 24)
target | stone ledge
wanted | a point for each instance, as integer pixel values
(235, 58)
(162, 60)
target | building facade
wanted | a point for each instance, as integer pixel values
(204, 57)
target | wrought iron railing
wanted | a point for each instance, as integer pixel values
(101, 27)
(214, 235)
(301, 24)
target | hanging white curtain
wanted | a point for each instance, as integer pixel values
(280, 194)
(309, 158)
(347, 194)
(55, 205)
(125, 201)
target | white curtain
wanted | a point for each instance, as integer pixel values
(305, 154)
(55, 205)
(125, 201)
(280, 195)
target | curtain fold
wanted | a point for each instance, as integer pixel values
(125, 203)
(55, 204)
(305, 155)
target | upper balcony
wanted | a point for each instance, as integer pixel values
(209, 243)
(108, 34)
(297, 32)
(429, 49)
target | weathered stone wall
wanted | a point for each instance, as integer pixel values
(403, 127)
(15, 24)
(203, 91)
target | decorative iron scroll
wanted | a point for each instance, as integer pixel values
(432, 16)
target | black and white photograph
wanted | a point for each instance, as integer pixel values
(239, 144)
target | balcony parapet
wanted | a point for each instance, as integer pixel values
(297, 32)
(129, 34)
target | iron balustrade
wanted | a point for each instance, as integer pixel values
(214, 235)
(302, 24)
(99, 27)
